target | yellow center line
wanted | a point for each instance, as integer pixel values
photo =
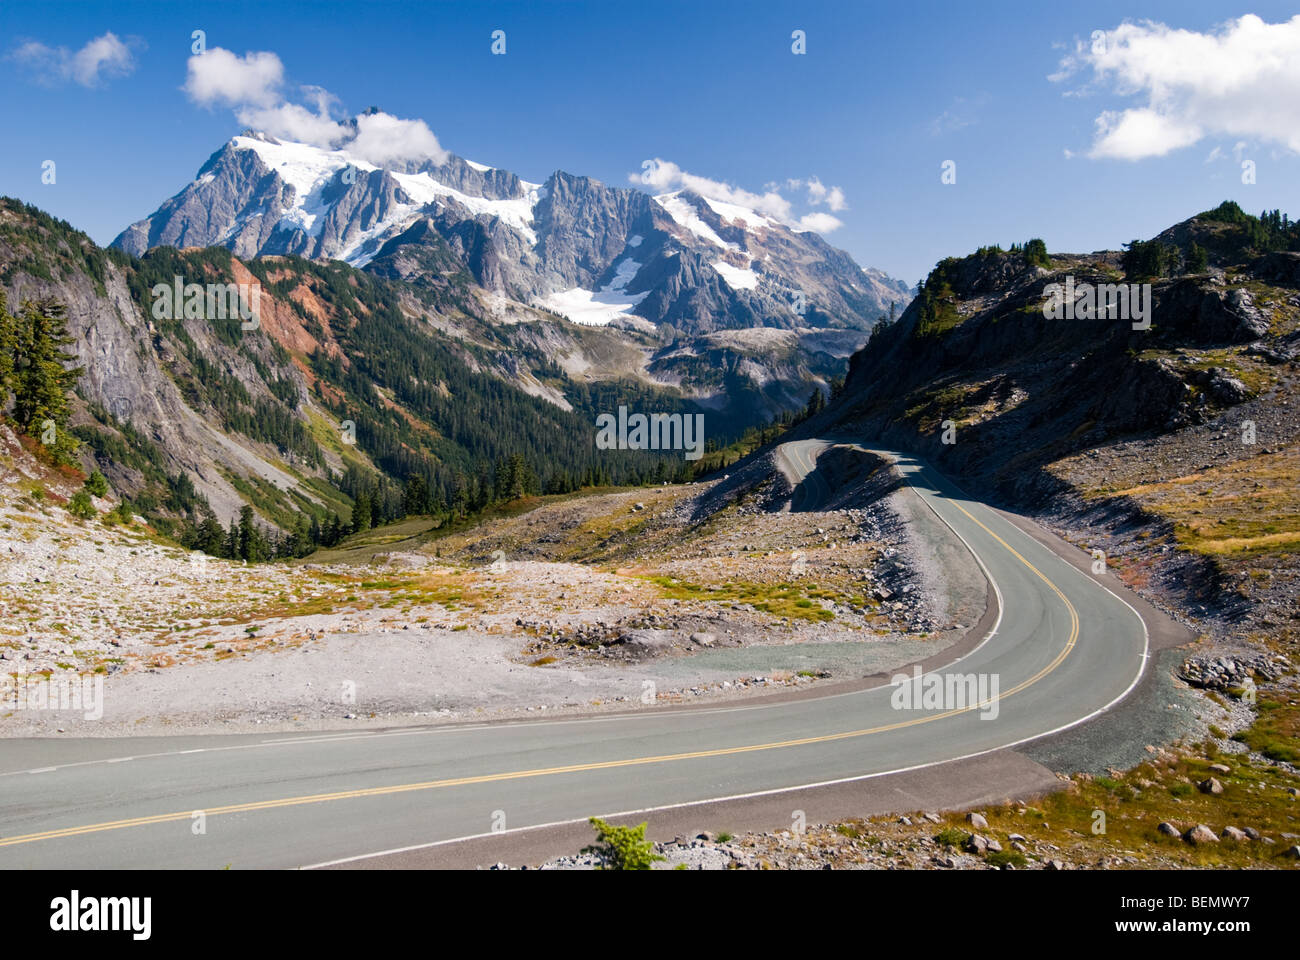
(580, 767)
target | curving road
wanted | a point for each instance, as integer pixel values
(1063, 649)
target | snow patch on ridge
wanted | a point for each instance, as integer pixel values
(735, 277)
(686, 216)
(598, 309)
(518, 213)
(591, 309)
(743, 215)
(308, 169)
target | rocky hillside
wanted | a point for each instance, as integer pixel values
(1169, 442)
(343, 380)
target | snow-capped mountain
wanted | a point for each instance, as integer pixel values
(572, 245)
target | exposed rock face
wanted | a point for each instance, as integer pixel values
(235, 197)
(1205, 316)
(1280, 267)
(1017, 379)
(126, 377)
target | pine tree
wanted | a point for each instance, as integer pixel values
(231, 547)
(8, 346)
(209, 537)
(361, 513)
(247, 534)
(416, 498)
(41, 378)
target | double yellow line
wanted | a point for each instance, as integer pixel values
(580, 767)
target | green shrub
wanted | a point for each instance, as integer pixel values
(622, 848)
(96, 484)
(1004, 858)
(950, 837)
(1036, 253)
(80, 506)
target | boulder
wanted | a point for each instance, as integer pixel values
(1200, 834)
(644, 643)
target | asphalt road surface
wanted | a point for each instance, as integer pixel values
(1062, 648)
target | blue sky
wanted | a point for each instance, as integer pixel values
(885, 94)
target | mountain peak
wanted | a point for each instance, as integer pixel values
(572, 240)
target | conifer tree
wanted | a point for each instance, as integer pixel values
(8, 346)
(42, 379)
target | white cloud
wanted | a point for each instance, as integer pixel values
(220, 78)
(291, 121)
(1143, 132)
(1241, 81)
(819, 193)
(103, 57)
(664, 176)
(382, 138)
(252, 86)
(819, 222)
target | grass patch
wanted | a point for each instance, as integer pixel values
(950, 837)
(1275, 732)
(779, 600)
(1006, 858)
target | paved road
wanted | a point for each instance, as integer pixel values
(1062, 649)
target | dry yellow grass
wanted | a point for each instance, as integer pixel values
(1248, 505)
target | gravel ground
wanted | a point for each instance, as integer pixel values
(437, 634)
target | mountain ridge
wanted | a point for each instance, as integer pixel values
(258, 195)
(1170, 445)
